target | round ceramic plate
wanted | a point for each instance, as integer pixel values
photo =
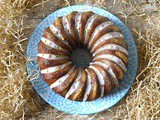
(74, 107)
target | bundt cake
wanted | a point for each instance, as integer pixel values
(94, 33)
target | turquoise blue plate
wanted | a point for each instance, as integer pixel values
(74, 107)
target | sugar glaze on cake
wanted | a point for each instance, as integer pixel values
(82, 30)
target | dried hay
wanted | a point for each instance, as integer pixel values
(18, 98)
(15, 97)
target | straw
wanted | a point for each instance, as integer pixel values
(18, 99)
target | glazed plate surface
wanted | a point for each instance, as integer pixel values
(74, 107)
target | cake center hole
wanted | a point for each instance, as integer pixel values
(81, 57)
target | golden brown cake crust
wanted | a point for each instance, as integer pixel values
(89, 31)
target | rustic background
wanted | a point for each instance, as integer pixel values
(18, 19)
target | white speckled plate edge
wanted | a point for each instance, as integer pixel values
(74, 107)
